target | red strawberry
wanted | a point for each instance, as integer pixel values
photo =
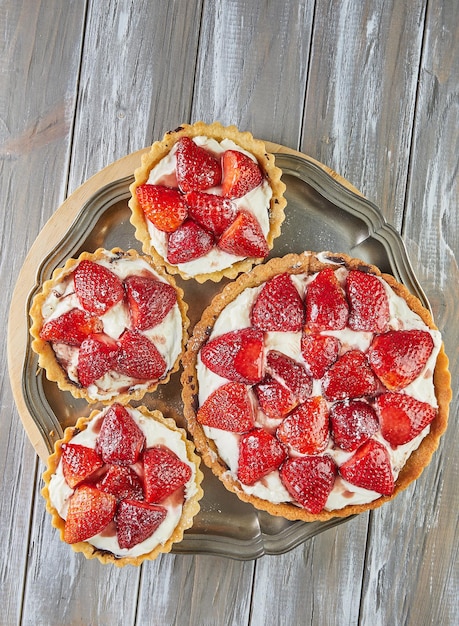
(97, 355)
(399, 356)
(136, 521)
(236, 355)
(228, 408)
(349, 377)
(275, 400)
(326, 306)
(240, 174)
(352, 423)
(289, 373)
(306, 429)
(90, 511)
(309, 480)
(122, 482)
(402, 417)
(97, 288)
(368, 302)
(278, 306)
(78, 463)
(319, 352)
(120, 439)
(210, 211)
(190, 241)
(71, 328)
(196, 168)
(244, 237)
(139, 357)
(164, 473)
(163, 206)
(149, 300)
(370, 468)
(259, 454)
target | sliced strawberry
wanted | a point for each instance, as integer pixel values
(149, 300)
(196, 168)
(306, 429)
(164, 207)
(352, 423)
(97, 355)
(164, 473)
(349, 377)
(259, 454)
(78, 463)
(289, 373)
(402, 417)
(228, 408)
(97, 288)
(399, 356)
(139, 357)
(309, 480)
(278, 306)
(236, 355)
(71, 328)
(190, 241)
(90, 511)
(241, 174)
(122, 482)
(212, 212)
(368, 302)
(120, 439)
(319, 352)
(244, 237)
(370, 468)
(275, 400)
(326, 306)
(137, 521)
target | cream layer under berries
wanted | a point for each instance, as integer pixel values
(309, 387)
(109, 324)
(123, 485)
(207, 201)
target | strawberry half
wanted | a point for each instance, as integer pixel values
(190, 241)
(368, 302)
(97, 355)
(164, 473)
(196, 168)
(228, 408)
(139, 357)
(326, 306)
(71, 328)
(349, 377)
(259, 454)
(210, 211)
(122, 482)
(149, 301)
(370, 468)
(236, 355)
(97, 288)
(275, 400)
(79, 463)
(278, 306)
(241, 174)
(319, 352)
(309, 480)
(352, 423)
(136, 521)
(306, 429)
(402, 417)
(289, 373)
(399, 356)
(164, 207)
(244, 237)
(90, 511)
(120, 439)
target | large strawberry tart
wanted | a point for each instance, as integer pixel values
(109, 325)
(207, 201)
(123, 485)
(315, 386)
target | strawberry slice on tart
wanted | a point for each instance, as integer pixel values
(368, 302)
(278, 306)
(136, 521)
(309, 480)
(370, 468)
(71, 328)
(164, 473)
(79, 463)
(241, 174)
(149, 300)
(188, 242)
(163, 206)
(244, 237)
(326, 305)
(259, 454)
(98, 289)
(196, 168)
(120, 439)
(402, 417)
(212, 212)
(229, 407)
(89, 513)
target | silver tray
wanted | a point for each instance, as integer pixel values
(321, 214)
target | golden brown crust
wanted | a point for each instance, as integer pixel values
(216, 131)
(46, 357)
(190, 509)
(306, 262)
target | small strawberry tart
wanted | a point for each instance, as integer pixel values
(109, 325)
(123, 485)
(207, 201)
(315, 386)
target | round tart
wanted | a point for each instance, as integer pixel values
(123, 485)
(315, 386)
(109, 325)
(207, 201)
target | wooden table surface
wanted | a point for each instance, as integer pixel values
(370, 88)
